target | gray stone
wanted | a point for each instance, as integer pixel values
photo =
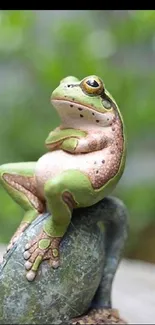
(58, 295)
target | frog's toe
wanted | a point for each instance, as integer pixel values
(28, 265)
(31, 246)
(42, 248)
(26, 255)
(32, 264)
(27, 246)
(30, 276)
(54, 263)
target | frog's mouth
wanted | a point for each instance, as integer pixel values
(63, 103)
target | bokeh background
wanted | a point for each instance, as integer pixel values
(37, 50)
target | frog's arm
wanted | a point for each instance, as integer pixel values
(56, 137)
(91, 142)
(116, 230)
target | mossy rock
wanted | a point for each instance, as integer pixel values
(56, 295)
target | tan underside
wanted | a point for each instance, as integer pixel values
(100, 166)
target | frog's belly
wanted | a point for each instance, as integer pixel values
(53, 163)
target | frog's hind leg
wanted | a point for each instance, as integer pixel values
(18, 180)
(70, 189)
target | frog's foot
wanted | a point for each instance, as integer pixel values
(17, 234)
(43, 247)
(100, 316)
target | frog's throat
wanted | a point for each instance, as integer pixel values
(74, 114)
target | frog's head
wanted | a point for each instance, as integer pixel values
(84, 102)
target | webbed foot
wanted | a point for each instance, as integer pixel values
(17, 234)
(43, 247)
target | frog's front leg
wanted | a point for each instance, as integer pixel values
(92, 142)
(59, 135)
(18, 180)
(66, 191)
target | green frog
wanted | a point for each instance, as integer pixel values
(85, 160)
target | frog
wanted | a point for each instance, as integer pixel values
(85, 160)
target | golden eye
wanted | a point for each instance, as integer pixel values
(92, 85)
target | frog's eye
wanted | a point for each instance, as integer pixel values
(92, 85)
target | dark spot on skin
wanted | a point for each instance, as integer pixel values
(80, 109)
(97, 121)
(116, 143)
(71, 105)
(112, 152)
(107, 119)
(113, 129)
(103, 161)
(81, 115)
(97, 172)
(95, 162)
(93, 113)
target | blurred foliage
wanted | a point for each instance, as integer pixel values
(37, 50)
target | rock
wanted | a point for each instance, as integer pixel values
(57, 295)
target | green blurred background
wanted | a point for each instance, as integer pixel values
(37, 50)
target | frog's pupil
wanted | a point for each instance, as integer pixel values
(92, 83)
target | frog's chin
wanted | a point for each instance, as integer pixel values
(70, 107)
(72, 112)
